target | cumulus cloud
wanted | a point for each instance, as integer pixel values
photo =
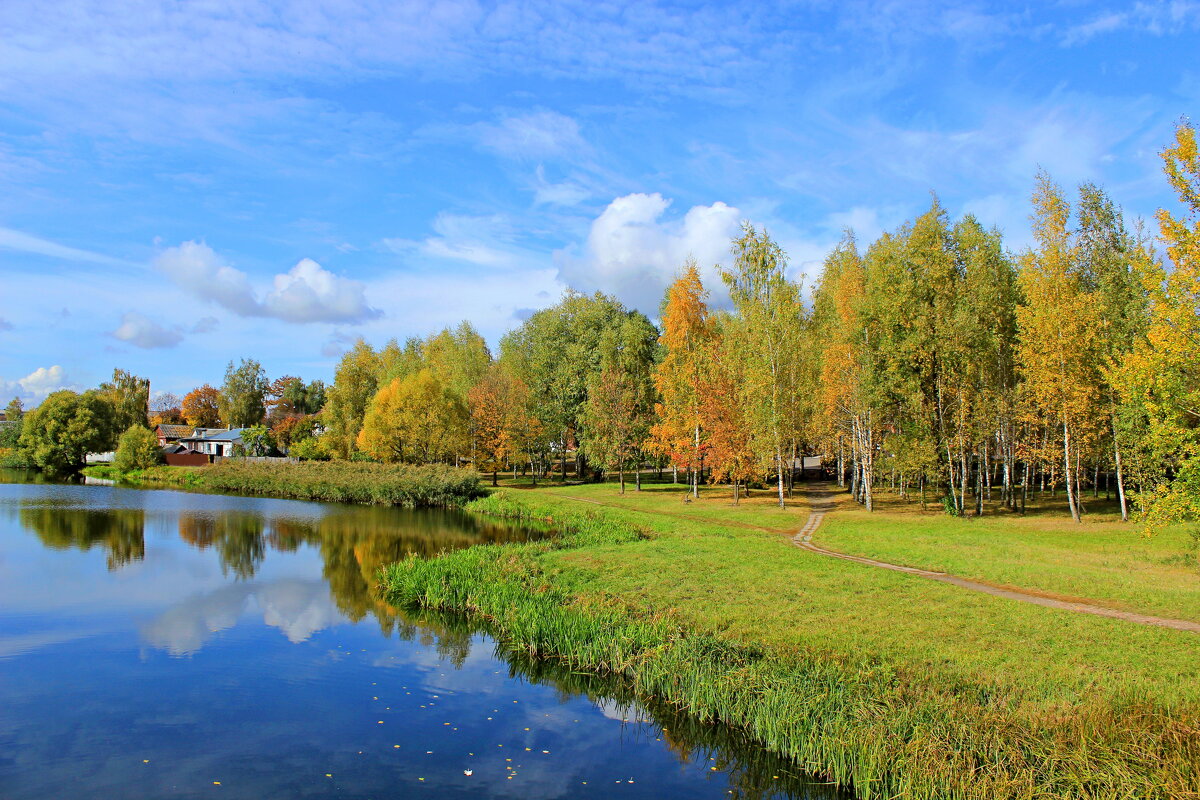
(310, 293)
(194, 266)
(632, 252)
(141, 331)
(37, 384)
(306, 293)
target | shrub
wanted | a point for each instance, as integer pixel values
(137, 449)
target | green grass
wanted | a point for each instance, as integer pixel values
(899, 686)
(327, 481)
(1101, 559)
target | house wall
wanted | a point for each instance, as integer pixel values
(187, 459)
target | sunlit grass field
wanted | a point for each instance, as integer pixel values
(1042, 702)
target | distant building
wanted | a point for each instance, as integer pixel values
(170, 434)
(214, 442)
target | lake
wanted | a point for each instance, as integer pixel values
(174, 644)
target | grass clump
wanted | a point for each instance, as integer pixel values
(893, 686)
(425, 486)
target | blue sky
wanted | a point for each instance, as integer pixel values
(185, 183)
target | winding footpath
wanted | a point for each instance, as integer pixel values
(821, 503)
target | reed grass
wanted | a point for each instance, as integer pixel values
(862, 719)
(424, 486)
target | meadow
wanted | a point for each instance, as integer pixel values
(887, 683)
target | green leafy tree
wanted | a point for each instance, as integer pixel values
(309, 449)
(767, 332)
(14, 414)
(130, 399)
(137, 448)
(243, 394)
(257, 440)
(314, 397)
(557, 353)
(354, 385)
(59, 433)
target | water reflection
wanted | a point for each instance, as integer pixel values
(216, 647)
(353, 542)
(299, 608)
(753, 772)
(118, 531)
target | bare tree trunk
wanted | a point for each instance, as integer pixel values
(950, 476)
(621, 476)
(1120, 481)
(966, 480)
(779, 464)
(841, 463)
(1067, 470)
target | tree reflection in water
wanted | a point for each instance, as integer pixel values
(355, 542)
(118, 531)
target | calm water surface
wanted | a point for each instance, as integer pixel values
(171, 644)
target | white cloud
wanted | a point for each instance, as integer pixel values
(196, 267)
(306, 293)
(566, 193)
(23, 242)
(141, 331)
(1158, 19)
(37, 384)
(633, 253)
(487, 241)
(542, 134)
(310, 293)
(1105, 23)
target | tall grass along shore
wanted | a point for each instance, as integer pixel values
(425, 486)
(891, 686)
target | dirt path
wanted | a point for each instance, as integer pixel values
(822, 503)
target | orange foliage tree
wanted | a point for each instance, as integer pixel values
(677, 434)
(200, 407)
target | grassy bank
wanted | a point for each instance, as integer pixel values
(896, 686)
(433, 486)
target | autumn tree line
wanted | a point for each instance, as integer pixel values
(119, 415)
(933, 361)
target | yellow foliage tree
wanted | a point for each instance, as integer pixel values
(1058, 345)
(414, 419)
